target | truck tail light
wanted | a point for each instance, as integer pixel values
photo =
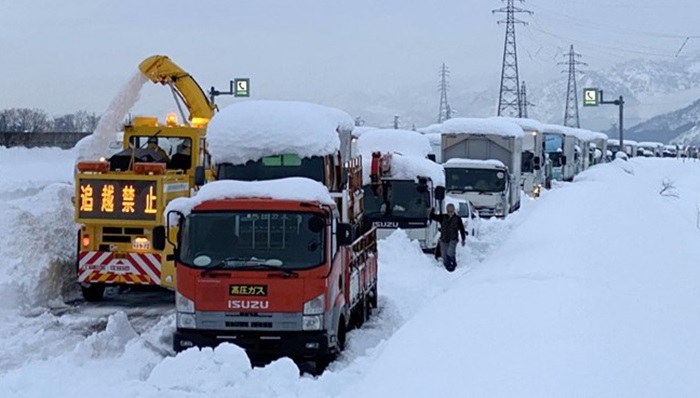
(85, 240)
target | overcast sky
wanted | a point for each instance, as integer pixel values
(64, 56)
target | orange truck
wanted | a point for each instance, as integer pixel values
(277, 264)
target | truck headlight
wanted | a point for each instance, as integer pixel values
(186, 321)
(315, 305)
(183, 304)
(312, 322)
(499, 210)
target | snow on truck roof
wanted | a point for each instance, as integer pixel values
(292, 188)
(497, 126)
(475, 163)
(405, 142)
(650, 144)
(408, 167)
(524, 123)
(251, 130)
(409, 150)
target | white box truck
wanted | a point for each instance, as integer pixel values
(482, 160)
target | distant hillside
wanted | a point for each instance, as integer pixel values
(681, 126)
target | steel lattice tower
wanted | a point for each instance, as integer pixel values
(509, 97)
(445, 111)
(571, 112)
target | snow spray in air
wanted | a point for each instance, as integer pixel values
(95, 145)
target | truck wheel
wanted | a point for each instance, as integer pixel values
(373, 297)
(93, 292)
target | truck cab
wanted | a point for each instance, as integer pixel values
(483, 160)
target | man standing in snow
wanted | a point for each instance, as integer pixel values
(450, 225)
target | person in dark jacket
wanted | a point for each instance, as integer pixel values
(451, 228)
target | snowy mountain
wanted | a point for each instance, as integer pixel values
(649, 88)
(681, 126)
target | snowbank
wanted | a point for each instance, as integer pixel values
(293, 188)
(37, 231)
(251, 130)
(608, 310)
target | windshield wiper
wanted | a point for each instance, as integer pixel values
(247, 262)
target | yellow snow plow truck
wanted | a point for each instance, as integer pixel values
(120, 200)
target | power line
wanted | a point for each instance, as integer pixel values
(615, 29)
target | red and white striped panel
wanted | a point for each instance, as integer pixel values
(142, 268)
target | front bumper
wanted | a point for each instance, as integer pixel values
(268, 345)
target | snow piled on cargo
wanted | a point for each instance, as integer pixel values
(496, 126)
(526, 124)
(408, 151)
(251, 130)
(37, 231)
(405, 142)
(292, 188)
(475, 163)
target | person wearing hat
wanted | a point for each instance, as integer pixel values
(183, 158)
(153, 146)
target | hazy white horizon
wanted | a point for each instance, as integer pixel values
(68, 57)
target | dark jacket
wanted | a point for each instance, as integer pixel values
(449, 226)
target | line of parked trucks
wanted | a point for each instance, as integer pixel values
(264, 217)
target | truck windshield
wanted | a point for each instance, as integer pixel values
(552, 142)
(475, 180)
(397, 199)
(248, 239)
(273, 167)
(555, 158)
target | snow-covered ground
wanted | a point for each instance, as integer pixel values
(592, 290)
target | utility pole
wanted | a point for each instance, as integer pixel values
(593, 97)
(509, 100)
(445, 111)
(571, 118)
(396, 122)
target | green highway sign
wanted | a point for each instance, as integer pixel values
(241, 87)
(590, 97)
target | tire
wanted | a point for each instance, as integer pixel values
(93, 292)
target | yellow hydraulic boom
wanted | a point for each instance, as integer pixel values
(160, 69)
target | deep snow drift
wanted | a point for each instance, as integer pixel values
(591, 290)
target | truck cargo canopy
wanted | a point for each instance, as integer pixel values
(251, 130)
(293, 188)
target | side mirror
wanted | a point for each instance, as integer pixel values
(343, 232)
(432, 157)
(563, 160)
(199, 175)
(439, 193)
(159, 238)
(537, 163)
